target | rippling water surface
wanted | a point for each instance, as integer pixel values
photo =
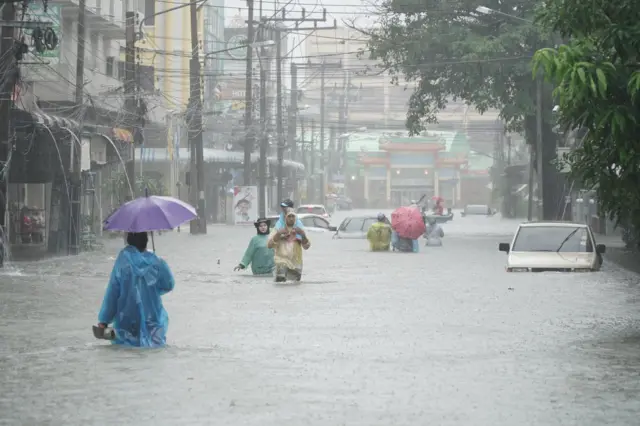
(442, 337)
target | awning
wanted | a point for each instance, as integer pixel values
(54, 121)
(22, 118)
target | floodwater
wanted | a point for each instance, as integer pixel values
(442, 337)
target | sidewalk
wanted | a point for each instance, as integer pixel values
(618, 253)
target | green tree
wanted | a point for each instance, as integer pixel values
(453, 52)
(597, 75)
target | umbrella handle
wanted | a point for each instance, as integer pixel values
(153, 243)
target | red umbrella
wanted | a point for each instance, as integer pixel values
(407, 222)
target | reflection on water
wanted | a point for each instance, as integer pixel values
(367, 338)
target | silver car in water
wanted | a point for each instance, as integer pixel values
(355, 227)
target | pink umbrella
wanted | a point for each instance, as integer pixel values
(408, 222)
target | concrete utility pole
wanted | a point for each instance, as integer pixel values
(531, 180)
(264, 24)
(74, 175)
(195, 128)
(539, 151)
(323, 161)
(312, 163)
(7, 62)
(80, 55)
(130, 92)
(279, 125)
(264, 143)
(293, 112)
(249, 141)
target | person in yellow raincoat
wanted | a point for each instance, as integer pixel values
(288, 243)
(379, 234)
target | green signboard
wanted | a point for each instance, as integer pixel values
(54, 16)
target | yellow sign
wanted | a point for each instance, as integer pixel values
(237, 105)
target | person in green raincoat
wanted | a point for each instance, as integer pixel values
(258, 255)
(379, 234)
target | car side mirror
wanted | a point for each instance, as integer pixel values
(601, 248)
(504, 247)
(333, 229)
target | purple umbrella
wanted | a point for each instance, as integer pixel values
(151, 213)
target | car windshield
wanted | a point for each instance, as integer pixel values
(354, 225)
(311, 210)
(553, 238)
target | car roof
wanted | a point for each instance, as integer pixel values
(305, 215)
(557, 224)
(361, 217)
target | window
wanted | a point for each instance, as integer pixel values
(91, 59)
(320, 223)
(354, 225)
(110, 71)
(565, 239)
(367, 224)
(146, 77)
(149, 12)
(308, 222)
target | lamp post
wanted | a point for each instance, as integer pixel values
(488, 11)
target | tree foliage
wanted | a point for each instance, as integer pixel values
(597, 78)
(453, 52)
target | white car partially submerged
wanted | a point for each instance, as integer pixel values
(311, 222)
(553, 246)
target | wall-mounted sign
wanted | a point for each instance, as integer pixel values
(233, 43)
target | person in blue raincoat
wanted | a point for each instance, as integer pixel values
(132, 302)
(281, 224)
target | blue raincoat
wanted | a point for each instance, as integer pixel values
(281, 224)
(132, 301)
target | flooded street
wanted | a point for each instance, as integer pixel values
(442, 337)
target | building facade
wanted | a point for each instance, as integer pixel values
(393, 169)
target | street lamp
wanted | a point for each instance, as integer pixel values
(488, 11)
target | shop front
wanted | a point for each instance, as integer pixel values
(42, 185)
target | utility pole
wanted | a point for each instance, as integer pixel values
(264, 143)
(248, 99)
(323, 163)
(323, 160)
(531, 180)
(80, 55)
(293, 112)
(312, 162)
(539, 160)
(279, 125)
(263, 25)
(74, 180)
(195, 128)
(129, 90)
(331, 168)
(7, 62)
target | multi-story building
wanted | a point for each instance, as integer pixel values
(46, 176)
(374, 102)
